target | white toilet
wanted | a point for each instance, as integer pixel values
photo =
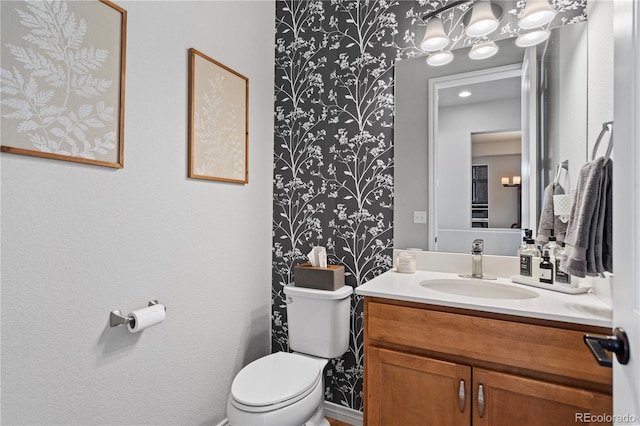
(286, 389)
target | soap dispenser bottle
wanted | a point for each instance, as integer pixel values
(551, 248)
(528, 259)
(561, 277)
(525, 237)
(546, 269)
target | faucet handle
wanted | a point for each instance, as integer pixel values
(478, 246)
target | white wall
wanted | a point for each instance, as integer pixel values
(568, 101)
(79, 241)
(600, 72)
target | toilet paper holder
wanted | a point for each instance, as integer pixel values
(116, 318)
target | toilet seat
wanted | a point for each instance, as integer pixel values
(275, 381)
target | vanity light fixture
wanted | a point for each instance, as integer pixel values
(464, 94)
(515, 182)
(483, 19)
(483, 50)
(434, 36)
(532, 38)
(440, 58)
(536, 14)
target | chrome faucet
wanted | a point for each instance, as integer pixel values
(477, 247)
(476, 258)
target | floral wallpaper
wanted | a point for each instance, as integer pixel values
(333, 156)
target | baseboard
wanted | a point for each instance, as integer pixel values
(335, 411)
(342, 413)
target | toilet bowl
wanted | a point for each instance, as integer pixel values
(281, 389)
(286, 389)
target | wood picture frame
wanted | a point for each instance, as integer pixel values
(62, 92)
(218, 121)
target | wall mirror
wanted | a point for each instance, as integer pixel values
(524, 105)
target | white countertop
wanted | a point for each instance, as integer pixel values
(584, 309)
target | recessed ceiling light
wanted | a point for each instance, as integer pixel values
(464, 94)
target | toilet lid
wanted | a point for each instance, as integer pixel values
(275, 378)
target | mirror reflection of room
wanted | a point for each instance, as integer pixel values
(485, 115)
(496, 158)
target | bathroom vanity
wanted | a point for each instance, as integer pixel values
(434, 357)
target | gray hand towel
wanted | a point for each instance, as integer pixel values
(605, 245)
(548, 220)
(579, 228)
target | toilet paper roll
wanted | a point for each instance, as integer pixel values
(146, 317)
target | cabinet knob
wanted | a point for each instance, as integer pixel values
(618, 344)
(461, 396)
(481, 400)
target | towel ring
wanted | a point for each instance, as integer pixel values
(607, 127)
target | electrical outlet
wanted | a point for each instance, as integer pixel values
(419, 217)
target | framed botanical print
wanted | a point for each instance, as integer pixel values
(63, 80)
(218, 121)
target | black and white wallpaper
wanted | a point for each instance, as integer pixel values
(333, 156)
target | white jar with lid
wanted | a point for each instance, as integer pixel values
(406, 263)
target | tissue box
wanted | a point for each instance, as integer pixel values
(329, 278)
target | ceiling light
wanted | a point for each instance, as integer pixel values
(440, 58)
(536, 14)
(464, 94)
(482, 20)
(434, 36)
(532, 38)
(483, 50)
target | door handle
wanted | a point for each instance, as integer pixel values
(461, 396)
(618, 344)
(481, 400)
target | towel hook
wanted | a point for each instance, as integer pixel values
(563, 165)
(606, 127)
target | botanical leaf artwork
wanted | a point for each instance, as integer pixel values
(333, 145)
(219, 125)
(218, 120)
(57, 80)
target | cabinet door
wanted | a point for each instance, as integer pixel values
(505, 400)
(406, 390)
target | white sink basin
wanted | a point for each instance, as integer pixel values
(478, 288)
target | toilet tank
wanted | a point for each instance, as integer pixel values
(318, 320)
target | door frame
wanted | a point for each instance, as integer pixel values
(626, 204)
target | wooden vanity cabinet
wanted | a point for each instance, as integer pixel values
(430, 365)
